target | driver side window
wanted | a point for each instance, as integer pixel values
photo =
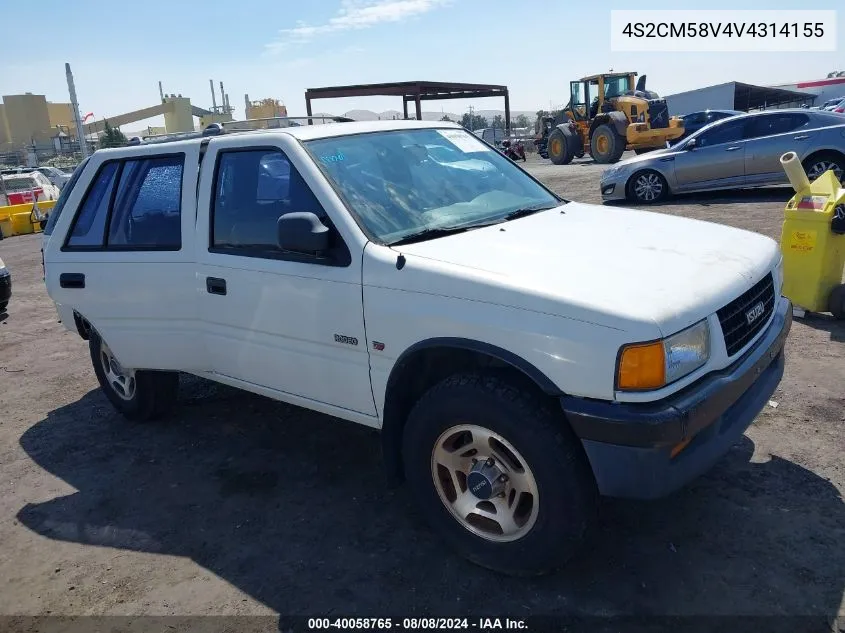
(727, 132)
(253, 188)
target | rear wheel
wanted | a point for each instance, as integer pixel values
(559, 149)
(818, 164)
(140, 395)
(606, 144)
(498, 474)
(647, 187)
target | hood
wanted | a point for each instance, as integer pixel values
(644, 158)
(612, 266)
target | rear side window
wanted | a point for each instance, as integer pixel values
(90, 222)
(57, 209)
(771, 124)
(147, 209)
(133, 204)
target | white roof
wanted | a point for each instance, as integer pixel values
(325, 130)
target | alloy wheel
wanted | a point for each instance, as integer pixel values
(485, 483)
(648, 187)
(121, 380)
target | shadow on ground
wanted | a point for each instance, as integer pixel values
(826, 323)
(291, 507)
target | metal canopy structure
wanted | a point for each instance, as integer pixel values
(750, 97)
(413, 91)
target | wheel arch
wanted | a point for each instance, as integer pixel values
(430, 361)
(617, 119)
(824, 150)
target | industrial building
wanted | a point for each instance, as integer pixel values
(735, 95)
(29, 118)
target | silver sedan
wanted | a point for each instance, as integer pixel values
(738, 152)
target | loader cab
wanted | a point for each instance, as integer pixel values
(590, 96)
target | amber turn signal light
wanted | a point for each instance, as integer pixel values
(642, 366)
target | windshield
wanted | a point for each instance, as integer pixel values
(615, 87)
(20, 183)
(403, 182)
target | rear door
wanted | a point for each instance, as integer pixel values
(716, 161)
(768, 137)
(124, 259)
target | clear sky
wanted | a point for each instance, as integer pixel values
(278, 48)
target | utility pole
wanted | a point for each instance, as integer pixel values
(74, 104)
(471, 124)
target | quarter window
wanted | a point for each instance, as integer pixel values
(90, 222)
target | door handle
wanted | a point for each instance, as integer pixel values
(733, 148)
(72, 280)
(801, 137)
(215, 285)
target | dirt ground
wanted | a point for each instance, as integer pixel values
(242, 505)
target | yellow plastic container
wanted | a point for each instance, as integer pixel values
(813, 256)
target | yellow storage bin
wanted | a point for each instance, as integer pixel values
(813, 254)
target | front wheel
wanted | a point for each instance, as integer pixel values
(559, 148)
(498, 474)
(140, 395)
(647, 187)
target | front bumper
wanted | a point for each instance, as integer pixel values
(613, 188)
(629, 445)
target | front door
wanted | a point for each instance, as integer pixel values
(283, 321)
(717, 159)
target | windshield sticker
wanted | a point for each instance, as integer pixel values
(464, 141)
(332, 158)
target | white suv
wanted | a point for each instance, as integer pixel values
(520, 353)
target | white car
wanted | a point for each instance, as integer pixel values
(27, 187)
(54, 175)
(520, 353)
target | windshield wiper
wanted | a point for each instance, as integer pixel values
(521, 213)
(430, 234)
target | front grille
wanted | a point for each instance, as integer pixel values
(658, 113)
(738, 326)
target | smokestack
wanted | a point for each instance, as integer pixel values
(246, 106)
(160, 91)
(228, 107)
(74, 104)
(222, 97)
(213, 98)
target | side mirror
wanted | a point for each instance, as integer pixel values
(302, 233)
(690, 144)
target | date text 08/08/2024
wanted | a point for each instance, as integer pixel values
(410, 624)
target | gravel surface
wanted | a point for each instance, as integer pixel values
(241, 505)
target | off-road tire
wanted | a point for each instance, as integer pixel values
(606, 144)
(559, 148)
(155, 391)
(567, 494)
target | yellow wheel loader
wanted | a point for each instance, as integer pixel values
(606, 115)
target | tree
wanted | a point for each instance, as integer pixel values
(112, 137)
(476, 122)
(521, 121)
(498, 122)
(445, 117)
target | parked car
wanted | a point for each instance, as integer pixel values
(839, 108)
(492, 135)
(55, 175)
(738, 152)
(830, 104)
(697, 120)
(27, 187)
(5, 286)
(516, 369)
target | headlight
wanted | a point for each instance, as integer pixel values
(610, 171)
(654, 365)
(4, 272)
